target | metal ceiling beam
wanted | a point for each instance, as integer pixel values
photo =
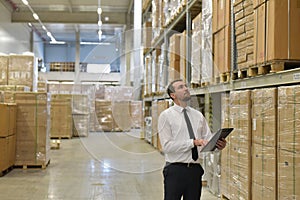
(63, 17)
(130, 6)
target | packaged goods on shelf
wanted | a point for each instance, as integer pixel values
(221, 15)
(61, 111)
(90, 91)
(288, 118)
(116, 93)
(8, 112)
(22, 71)
(80, 113)
(196, 50)
(100, 91)
(264, 117)
(136, 114)
(240, 145)
(33, 129)
(155, 70)
(244, 33)
(212, 171)
(264, 143)
(174, 57)
(148, 76)
(42, 86)
(206, 51)
(157, 14)
(121, 115)
(80, 104)
(288, 174)
(81, 125)
(104, 114)
(19, 88)
(7, 152)
(4, 69)
(222, 51)
(154, 116)
(276, 29)
(225, 153)
(113, 115)
(264, 173)
(183, 57)
(221, 37)
(147, 35)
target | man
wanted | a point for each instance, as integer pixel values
(182, 130)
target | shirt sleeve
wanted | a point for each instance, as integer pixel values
(168, 143)
(205, 133)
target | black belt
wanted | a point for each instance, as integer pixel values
(185, 164)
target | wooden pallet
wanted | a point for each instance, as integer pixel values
(61, 137)
(55, 144)
(204, 84)
(272, 66)
(223, 197)
(195, 85)
(225, 77)
(4, 172)
(41, 166)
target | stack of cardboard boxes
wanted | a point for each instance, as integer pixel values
(288, 142)
(221, 37)
(61, 116)
(33, 129)
(7, 136)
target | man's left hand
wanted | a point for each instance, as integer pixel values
(221, 144)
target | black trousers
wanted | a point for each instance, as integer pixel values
(181, 179)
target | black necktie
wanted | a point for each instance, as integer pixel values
(192, 136)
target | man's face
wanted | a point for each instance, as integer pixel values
(181, 91)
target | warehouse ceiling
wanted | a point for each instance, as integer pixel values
(63, 18)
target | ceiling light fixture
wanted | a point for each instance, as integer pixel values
(25, 2)
(99, 11)
(36, 17)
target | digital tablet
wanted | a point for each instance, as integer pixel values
(221, 133)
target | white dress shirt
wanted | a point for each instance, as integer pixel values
(174, 136)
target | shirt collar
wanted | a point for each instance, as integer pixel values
(180, 109)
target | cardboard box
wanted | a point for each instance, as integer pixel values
(174, 47)
(22, 71)
(121, 115)
(288, 115)
(154, 115)
(276, 31)
(221, 14)
(61, 111)
(288, 175)
(264, 116)
(3, 69)
(33, 125)
(81, 125)
(240, 144)
(222, 51)
(264, 172)
(183, 57)
(4, 120)
(147, 34)
(4, 163)
(260, 34)
(11, 150)
(136, 113)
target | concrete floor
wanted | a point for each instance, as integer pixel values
(103, 166)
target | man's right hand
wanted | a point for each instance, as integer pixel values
(200, 142)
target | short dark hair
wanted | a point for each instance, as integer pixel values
(171, 88)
